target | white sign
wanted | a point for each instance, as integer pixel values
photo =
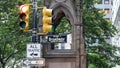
(39, 62)
(26, 62)
(33, 50)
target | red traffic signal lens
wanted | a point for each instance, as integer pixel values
(22, 16)
(22, 24)
(24, 8)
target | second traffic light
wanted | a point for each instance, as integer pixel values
(47, 20)
(24, 16)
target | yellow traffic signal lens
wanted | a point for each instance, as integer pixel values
(47, 12)
(47, 20)
(47, 28)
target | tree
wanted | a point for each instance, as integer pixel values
(12, 40)
(64, 23)
(96, 28)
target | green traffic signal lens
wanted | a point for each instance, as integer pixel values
(22, 24)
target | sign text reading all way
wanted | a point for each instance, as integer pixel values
(33, 50)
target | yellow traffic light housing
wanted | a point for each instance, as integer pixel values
(24, 16)
(47, 20)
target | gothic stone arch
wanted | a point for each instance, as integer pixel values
(64, 58)
(60, 9)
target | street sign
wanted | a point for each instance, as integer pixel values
(62, 38)
(33, 50)
(57, 38)
(26, 62)
(34, 62)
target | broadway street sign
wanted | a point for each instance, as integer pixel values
(62, 38)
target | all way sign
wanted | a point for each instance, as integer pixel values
(33, 50)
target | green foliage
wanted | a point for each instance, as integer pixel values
(12, 40)
(96, 28)
(64, 26)
(101, 55)
(91, 66)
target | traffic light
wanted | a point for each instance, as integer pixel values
(24, 16)
(47, 20)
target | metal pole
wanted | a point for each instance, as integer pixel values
(34, 31)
